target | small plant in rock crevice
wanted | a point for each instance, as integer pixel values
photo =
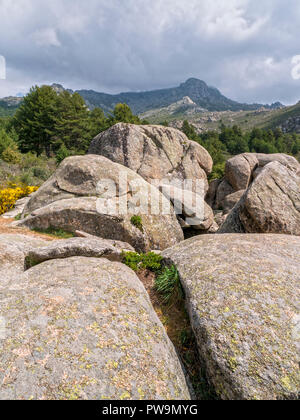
(137, 222)
(150, 261)
(167, 297)
(168, 284)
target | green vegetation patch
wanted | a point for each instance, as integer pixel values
(150, 261)
(57, 233)
(231, 141)
(137, 222)
(168, 284)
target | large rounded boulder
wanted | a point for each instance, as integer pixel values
(154, 152)
(95, 195)
(242, 295)
(270, 205)
(82, 328)
(240, 172)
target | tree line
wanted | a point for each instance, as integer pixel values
(57, 124)
(231, 141)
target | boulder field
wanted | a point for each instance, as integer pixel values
(154, 152)
(69, 200)
(270, 205)
(80, 328)
(240, 171)
(77, 323)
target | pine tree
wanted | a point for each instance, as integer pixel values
(71, 126)
(34, 120)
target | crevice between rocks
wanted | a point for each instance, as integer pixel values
(176, 321)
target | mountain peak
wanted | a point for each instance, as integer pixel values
(193, 82)
(59, 88)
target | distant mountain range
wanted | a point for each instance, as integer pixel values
(208, 98)
(193, 100)
(204, 97)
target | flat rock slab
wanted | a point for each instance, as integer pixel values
(80, 247)
(242, 295)
(12, 257)
(84, 329)
(158, 231)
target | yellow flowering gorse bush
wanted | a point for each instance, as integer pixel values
(9, 196)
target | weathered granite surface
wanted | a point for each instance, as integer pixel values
(242, 295)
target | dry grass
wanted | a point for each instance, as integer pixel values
(6, 227)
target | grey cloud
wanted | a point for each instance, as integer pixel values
(240, 46)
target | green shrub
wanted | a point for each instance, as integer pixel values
(218, 171)
(150, 261)
(11, 155)
(5, 141)
(132, 260)
(62, 154)
(41, 173)
(29, 160)
(169, 286)
(137, 222)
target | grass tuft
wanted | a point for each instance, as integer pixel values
(169, 286)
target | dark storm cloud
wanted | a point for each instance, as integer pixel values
(243, 47)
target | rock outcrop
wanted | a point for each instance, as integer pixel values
(190, 207)
(161, 155)
(291, 125)
(240, 172)
(95, 195)
(242, 295)
(270, 205)
(154, 152)
(81, 329)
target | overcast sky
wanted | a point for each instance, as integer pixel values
(243, 47)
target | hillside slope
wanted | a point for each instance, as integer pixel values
(8, 106)
(287, 118)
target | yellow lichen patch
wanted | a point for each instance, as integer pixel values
(286, 383)
(141, 393)
(125, 396)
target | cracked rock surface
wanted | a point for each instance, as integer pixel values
(154, 152)
(242, 295)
